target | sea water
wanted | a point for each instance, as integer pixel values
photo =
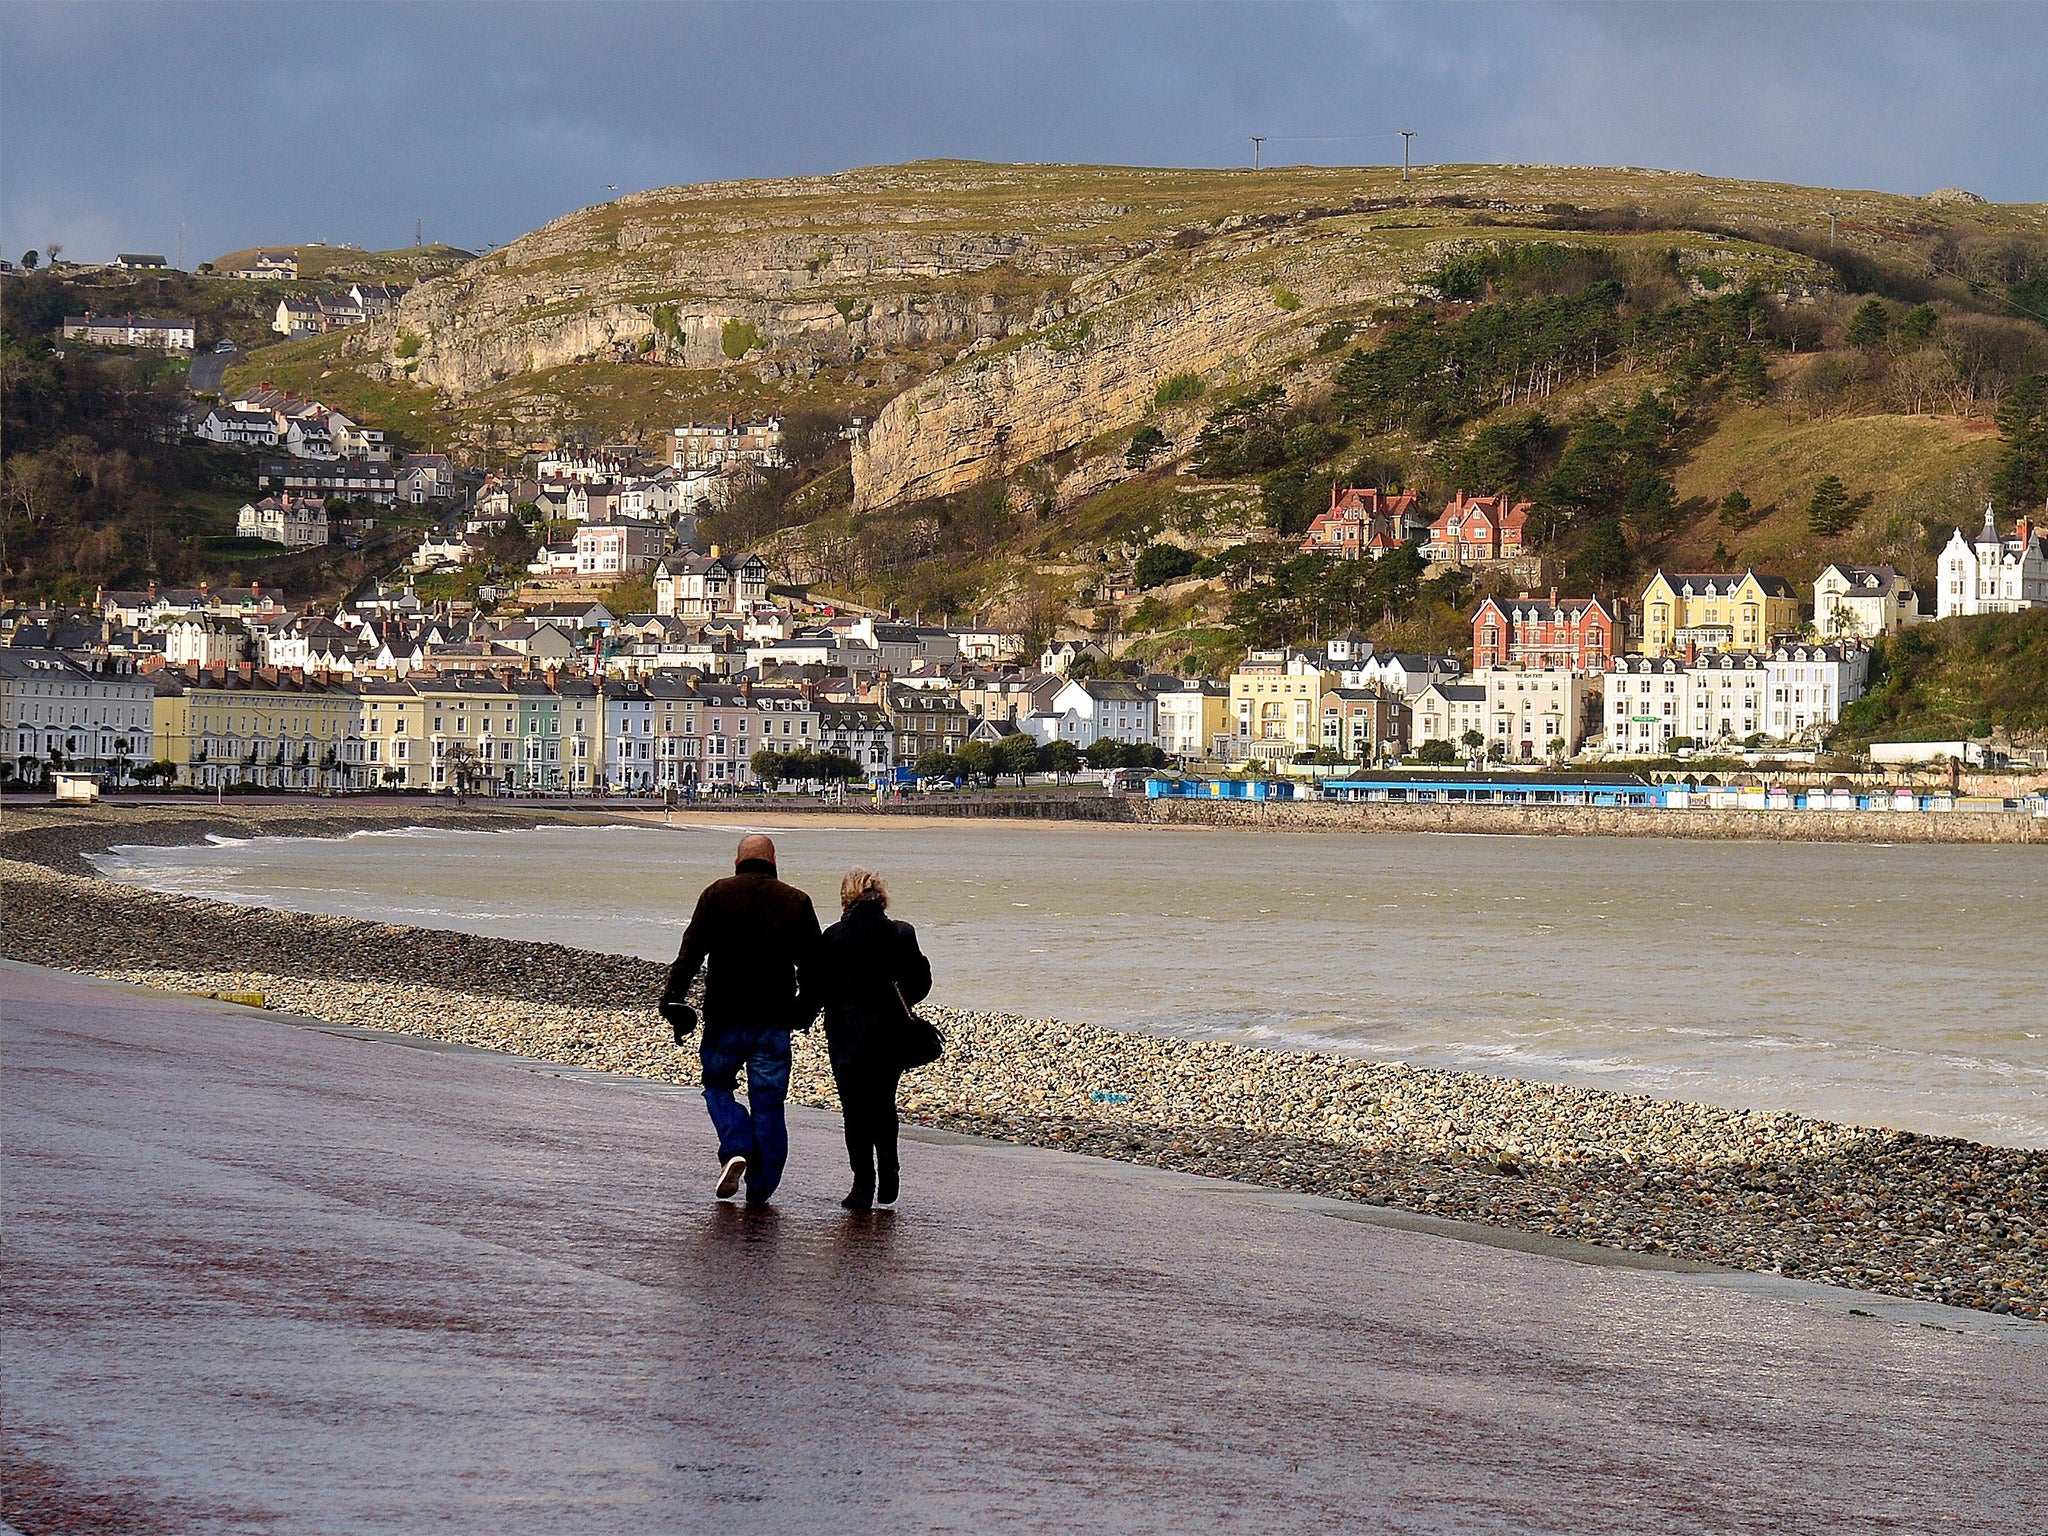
(1903, 986)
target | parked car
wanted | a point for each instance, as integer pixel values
(223, 346)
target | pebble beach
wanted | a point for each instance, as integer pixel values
(1931, 1218)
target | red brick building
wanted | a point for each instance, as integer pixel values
(1573, 634)
(1478, 528)
(1362, 523)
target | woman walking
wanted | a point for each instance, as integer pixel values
(870, 974)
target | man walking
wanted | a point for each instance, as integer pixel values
(759, 937)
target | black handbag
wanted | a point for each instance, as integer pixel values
(919, 1042)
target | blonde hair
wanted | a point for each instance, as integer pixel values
(861, 885)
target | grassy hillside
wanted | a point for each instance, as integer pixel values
(1484, 328)
(1914, 478)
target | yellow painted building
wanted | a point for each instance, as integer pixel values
(397, 749)
(1714, 612)
(1276, 704)
(466, 721)
(257, 725)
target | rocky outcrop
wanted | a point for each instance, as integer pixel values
(1251, 300)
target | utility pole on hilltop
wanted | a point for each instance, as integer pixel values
(1833, 214)
(417, 238)
(1257, 140)
(181, 247)
(1406, 135)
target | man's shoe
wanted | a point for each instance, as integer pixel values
(861, 1197)
(729, 1179)
(885, 1192)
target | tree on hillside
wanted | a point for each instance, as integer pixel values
(1651, 505)
(1752, 380)
(1871, 325)
(1145, 443)
(1830, 511)
(1736, 511)
(1918, 325)
(1604, 560)
(30, 261)
(1161, 563)
(2021, 482)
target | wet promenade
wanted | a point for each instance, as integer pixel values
(279, 1278)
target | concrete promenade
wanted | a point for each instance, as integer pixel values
(272, 1276)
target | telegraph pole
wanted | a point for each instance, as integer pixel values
(1257, 140)
(1832, 214)
(1406, 135)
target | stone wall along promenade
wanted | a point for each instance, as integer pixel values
(1919, 1216)
(1598, 821)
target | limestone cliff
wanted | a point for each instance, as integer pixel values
(985, 316)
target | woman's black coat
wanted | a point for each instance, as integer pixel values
(859, 958)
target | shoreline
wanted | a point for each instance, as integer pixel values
(1924, 1217)
(1878, 828)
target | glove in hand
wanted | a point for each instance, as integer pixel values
(682, 1018)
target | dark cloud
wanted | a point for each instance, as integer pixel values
(251, 123)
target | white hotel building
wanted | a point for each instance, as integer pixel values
(1793, 692)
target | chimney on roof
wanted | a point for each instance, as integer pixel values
(1553, 597)
(268, 674)
(246, 668)
(152, 591)
(191, 671)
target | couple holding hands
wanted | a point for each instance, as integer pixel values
(769, 971)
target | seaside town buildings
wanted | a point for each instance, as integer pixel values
(57, 711)
(1863, 601)
(721, 446)
(256, 725)
(1717, 611)
(1575, 634)
(1364, 523)
(297, 522)
(1993, 573)
(168, 335)
(1474, 530)
(558, 693)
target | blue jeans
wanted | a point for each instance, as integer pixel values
(755, 1130)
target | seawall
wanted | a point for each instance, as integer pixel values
(1496, 820)
(1598, 821)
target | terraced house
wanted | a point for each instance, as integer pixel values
(858, 731)
(1648, 700)
(1716, 611)
(924, 720)
(1276, 700)
(259, 725)
(651, 737)
(92, 714)
(471, 725)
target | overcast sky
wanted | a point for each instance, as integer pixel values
(253, 123)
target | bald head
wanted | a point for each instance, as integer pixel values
(756, 845)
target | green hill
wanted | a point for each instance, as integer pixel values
(1957, 679)
(1007, 331)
